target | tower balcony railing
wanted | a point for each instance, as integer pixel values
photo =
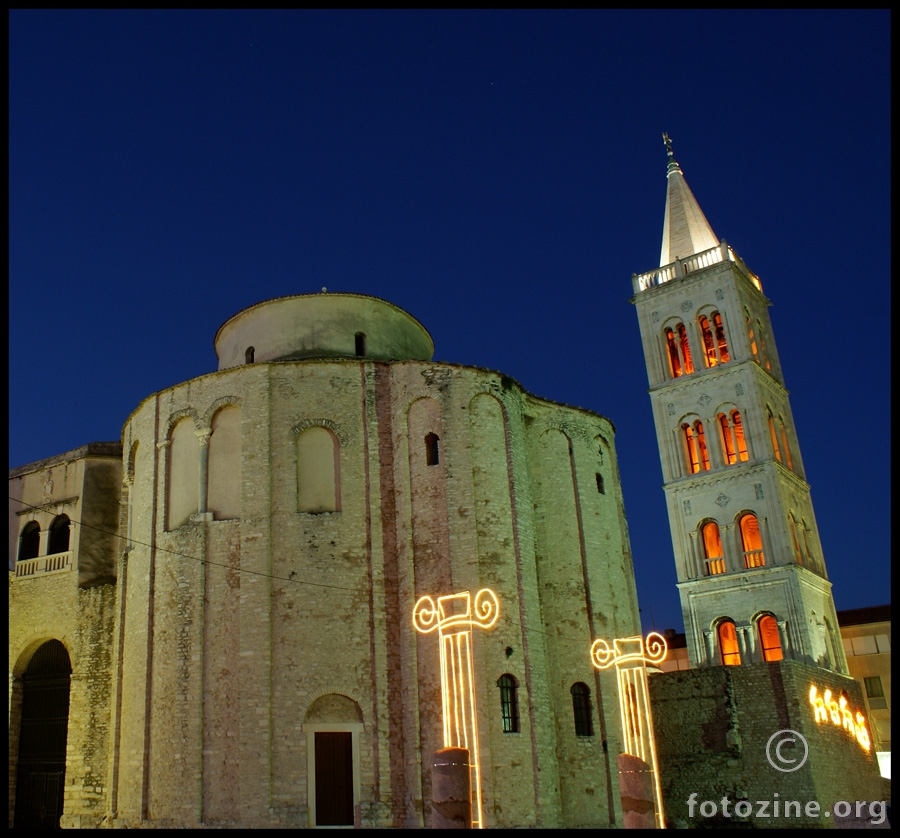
(722, 252)
(754, 558)
(42, 565)
(715, 566)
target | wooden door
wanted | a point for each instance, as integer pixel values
(334, 779)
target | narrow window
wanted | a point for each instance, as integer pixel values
(752, 541)
(709, 348)
(30, 544)
(787, 449)
(249, 354)
(685, 349)
(762, 346)
(752, 336)
(701, 445)
(774, 436)
(728, 644)
(875, 693)
(712, 547)
(600, 488)
(727, 440)
(674, 361)
(795, 538)
(59, 536)
(509, 703)
(721, 343)
(360, 344)
(690, 445)
(741, 443)
(432, 449)
(769, 641)
(581, 707)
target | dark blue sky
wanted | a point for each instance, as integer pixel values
(498, 174)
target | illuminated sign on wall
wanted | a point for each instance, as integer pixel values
(837, 711)
(453, 616)
(630, 655)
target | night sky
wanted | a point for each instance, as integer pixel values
(498, 174)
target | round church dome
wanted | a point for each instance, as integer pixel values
(322, 326)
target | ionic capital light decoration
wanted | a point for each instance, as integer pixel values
(453, 617)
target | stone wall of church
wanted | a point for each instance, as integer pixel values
(712, 727)
(446, 479)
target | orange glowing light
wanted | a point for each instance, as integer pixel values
(827, 709)
(453, 616)
(630, 656)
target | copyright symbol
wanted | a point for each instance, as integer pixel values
(780, 760)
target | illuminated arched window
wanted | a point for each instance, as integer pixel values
(581, 707)
(509, 703)
(740, 442)
(432, 449)
(685, 349)
(729, 650)
(318, 471)
(695, 447)
(774, 434)
(30, 542)
(769, 641)
(712, 548)
(59, 536)
(690, 445)
(751, 540)
(678, 351)
(734, 445)
(672, 354)
(715, 347)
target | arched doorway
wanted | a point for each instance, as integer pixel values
(41, 770)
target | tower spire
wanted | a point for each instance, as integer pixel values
(685, 228)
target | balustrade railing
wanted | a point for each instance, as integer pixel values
(42, 565)
(715, 566)
(722, 252)
(754, 558)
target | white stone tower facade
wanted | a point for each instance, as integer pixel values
(751, 573)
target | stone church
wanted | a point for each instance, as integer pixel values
(211, 621)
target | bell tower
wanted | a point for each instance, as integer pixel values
(751, 574)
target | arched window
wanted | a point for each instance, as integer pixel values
(679, 351)
(509, 703)
(360, 343)
(734, 445)
(183, 471)
(712, 547)
(751, 334)
(249, 355)
(784, 441)
(774, 435)
(30, 543)
(600, 487)
(432, 449)
(59, 536)
(224, 469)
(695, 447)
(581, 707)
(715, 347)
(769, 641)
(762, 345)
(728, 644)
(751, 541)
(672, 351)
(318, 471)
(795, 538)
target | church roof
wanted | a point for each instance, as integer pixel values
(685, 229)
